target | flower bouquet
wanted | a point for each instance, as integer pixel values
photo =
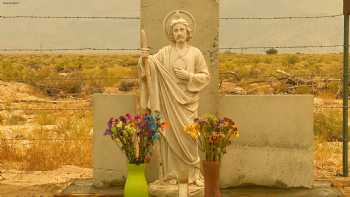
(212, 135)
(136, 135)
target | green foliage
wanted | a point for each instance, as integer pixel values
(65, 74)
(271, 51)
(328, 125)
(292, 59)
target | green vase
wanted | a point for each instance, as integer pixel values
(136, 185)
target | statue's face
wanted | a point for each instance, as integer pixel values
(180, 33)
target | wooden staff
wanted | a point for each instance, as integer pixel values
(144, 46)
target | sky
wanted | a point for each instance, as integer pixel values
(84, 33)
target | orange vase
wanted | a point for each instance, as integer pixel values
(211, 171)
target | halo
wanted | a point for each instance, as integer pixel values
(178, 14)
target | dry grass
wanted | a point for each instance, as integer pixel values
(327, 158)
(70, 131)
(66, 142)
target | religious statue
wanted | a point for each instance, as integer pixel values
(170, 83)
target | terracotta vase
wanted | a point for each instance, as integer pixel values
(136, 184)
(211, 173)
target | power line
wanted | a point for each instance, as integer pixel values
(73, 17)
(138, 18)
(281, 47)
(69, 49)
(44, 102)
(281, 17)
(46, 139)
(44, 109)
(68, 79)
(134, 49)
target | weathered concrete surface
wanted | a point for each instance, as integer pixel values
(268, 192)
(86, 188)
(205, 37)
(319, 189)
(275, 147)
(157, 189)
(109, 162)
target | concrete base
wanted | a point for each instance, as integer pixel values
(109, 161)
(275, 147)
(87, 188)
(157, 189)
(319, 189)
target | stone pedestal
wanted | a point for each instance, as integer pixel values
(157, 189)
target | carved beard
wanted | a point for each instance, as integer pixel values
(180, 39)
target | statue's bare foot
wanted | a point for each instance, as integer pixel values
(172, 181)
(199, 182)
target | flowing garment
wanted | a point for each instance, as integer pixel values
(177, 100)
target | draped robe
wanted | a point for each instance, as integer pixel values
(177, 100)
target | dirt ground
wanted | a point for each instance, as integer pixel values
(39, 183)
(48, 183)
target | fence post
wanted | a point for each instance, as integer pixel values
(345, 87)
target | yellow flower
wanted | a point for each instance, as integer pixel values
(234, 133)
(129, 129)
(192, 129)
(119, 125)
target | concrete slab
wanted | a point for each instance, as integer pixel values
(86, 188)
(319, 189)
(109, 162)
(275, 147)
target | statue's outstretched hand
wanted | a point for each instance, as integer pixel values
(182, 74)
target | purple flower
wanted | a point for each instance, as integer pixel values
(123, 119)
(109, 124)
(108, 132)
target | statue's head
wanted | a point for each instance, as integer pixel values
(180, 31)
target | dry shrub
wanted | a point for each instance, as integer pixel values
(327, 158)
(52, 154)
(69, 143)
(328, 125)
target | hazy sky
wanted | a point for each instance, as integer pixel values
(63, 33)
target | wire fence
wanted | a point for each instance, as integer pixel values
(138, 18)
(9, 106)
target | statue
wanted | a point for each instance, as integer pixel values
(170, 82)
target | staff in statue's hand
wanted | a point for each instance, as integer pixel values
(145, 53)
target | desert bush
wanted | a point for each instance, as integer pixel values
(271, 51)
(45, 118)
(15, 119)
(328, 125)
(292, 59)
(127, 85)
(52, 73)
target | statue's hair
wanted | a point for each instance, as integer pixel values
(188, 30)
